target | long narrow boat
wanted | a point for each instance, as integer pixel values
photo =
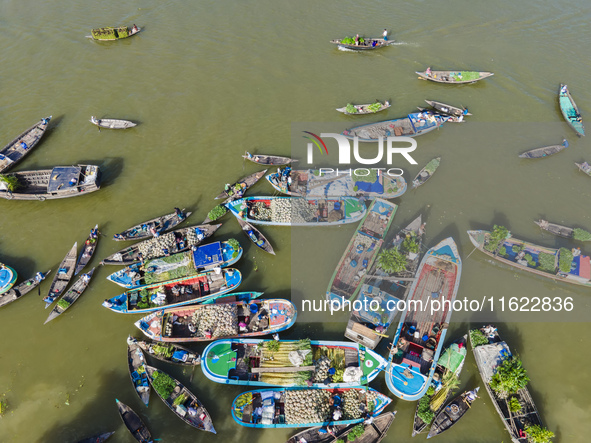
(237, 190)
(452, 412)
(136, 364)
(167, 352)
(256, 236)
(557, 264)
(112, 123)
(88, 250)
(180, 400)
(271, 160)
(8, 277)
(453, 77)
(62, 278)
(304, 407)
(372, 433)
(153, 227)
(172, 242)
(175, 293)
(180, 265)
(110, 33)
(71, 296)
(544, 151)
(584, 167)
(426, 173)
(98, 438)
(488, 358)
(564, 231)
(421, 333)
(22, 145)
(286, 211)
(24, 288)
(448, 109)
(364, 44)
(370, 108)
(134, 423)
(253, 362)
(361, 252)
(51, 184)
(219, 320)
(570, 111)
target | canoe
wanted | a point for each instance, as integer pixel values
(370, 108)
(454, 77)
(71, 296)
(564, 231)
(255, 236)
(271, 160)
(62, 278)
(426, 173)
(412, 125)
(172, 242)
(180, 400)
(304, 407)
(452, 412)
(134, 423)
(544, 151)
(254, 362)
(420, 335)
(153, 227)
(8, 277)
(51, 184)
(361, 251)
(179, 292)
(168, 352)
(112, 123)
(282, 182)
(108, 33)
(238, 189)
(208, 322)
(136, 364)
(88, 250)
(488, 358)
(15, 151)
(448, 109)
(365, 44)
(24, 288)
(287, 211)
(372, 433)
(540, 260)
(585, 167)
(181, 265)
(569, 109)
(98, 438)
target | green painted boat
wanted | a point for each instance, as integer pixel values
(570, 111)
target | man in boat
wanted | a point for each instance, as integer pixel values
(24, 145)
(85, 278)
(357, 40)
(385, 35)
(470, 396)
(428, 71)
(135, 29)
(179, 213)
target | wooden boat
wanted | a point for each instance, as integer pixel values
(50, 184)
(585, 167)
(453, 77)
(71, 296)
(180, 265)
(448, 109)
(564, 231)
(488, 358)
(24, 288)
(544, 151)
(372, 433)
(253, 362)
(108, 34)
(15, 151)
(539, 260)
(285, 408)
(452, 412)
(420, 336)
(136, 364)
(361, 252)
(62, 278)
(238, 189)
(8, 277)
(179, 292)
(271, 160)
(88, 250)
(98, 438)
(153, 227)
(180, 400)
(370, 108)
(412, 125)
(112, 123)
(365, 44)
(168, 352)
(426, 173)
(287, 211)
(134, 423)
(259, 240)
(219, 320)
(570, 111)
(171, 242)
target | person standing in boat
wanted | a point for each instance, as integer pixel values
(385, 35)
(357, 40)
(135, 29)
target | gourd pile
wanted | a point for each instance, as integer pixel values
(356, 402)
(307, 406)
(154, 247)
(220, 320)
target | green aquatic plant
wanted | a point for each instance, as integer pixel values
(538, 434)
(410, 244)
(273, 345)
(351, 109)
(547, 262)
(565, 259)
(502, 251)
(180, 400)
(163, 384)
(391, 261)
(477, 338)
(370, 178)
(581, 234)
(424, 411)
(235, 245)
(432, 165)
(496, 237)
(514, 404)
(374, 107)
(63, 304)
(10, 181)
(530, 260)
(357, 431)
(509, 378)
(217, 212)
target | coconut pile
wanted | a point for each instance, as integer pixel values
(321, 371)
(307, 406)
(153, 248)
(220, 320)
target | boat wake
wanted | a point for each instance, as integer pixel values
(416, 45)
(342, 48)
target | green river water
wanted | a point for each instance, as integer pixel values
(208, 80)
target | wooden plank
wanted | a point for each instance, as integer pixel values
(279, 369)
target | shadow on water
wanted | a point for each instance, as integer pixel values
(111, 168)
(24, 266)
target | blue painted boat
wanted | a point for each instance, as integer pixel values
(195, 289)
(252, 362)
(184, 264)
(570, 111)
(287, 407)
(421, 334)
(7, 278)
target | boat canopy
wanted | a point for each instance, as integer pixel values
(63, 177)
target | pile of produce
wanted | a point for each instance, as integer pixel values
(277, 355)
(220, 320)
(110, 33)
(154, 247)
(322, 366)
(296, 210)
(307, 406)
(357, 402)
(177, 265)
(374, 107)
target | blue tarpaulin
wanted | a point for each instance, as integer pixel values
(208, 255)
